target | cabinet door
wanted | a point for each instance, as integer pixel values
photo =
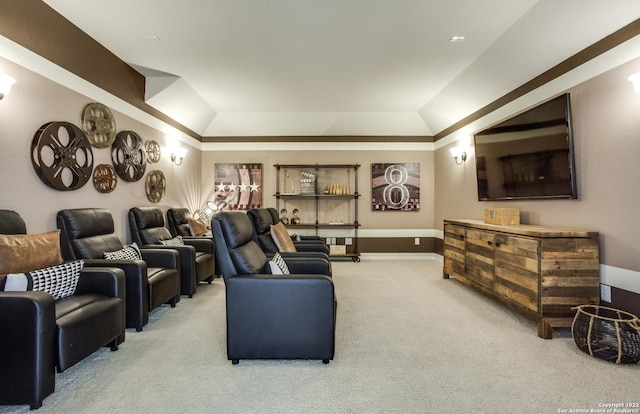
(517, 269)
(454, 247)
(479, 257)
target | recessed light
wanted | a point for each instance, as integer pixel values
(456, 38)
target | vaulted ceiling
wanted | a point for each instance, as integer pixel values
(339, 67)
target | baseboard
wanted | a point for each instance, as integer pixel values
(398, 256)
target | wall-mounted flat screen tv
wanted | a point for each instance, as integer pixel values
(529, 156)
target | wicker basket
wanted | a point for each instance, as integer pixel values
(607, 333)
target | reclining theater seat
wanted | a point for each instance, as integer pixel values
(40, 334)
(86, 233)
(178, 222)
(262, 220)
(272, 316)
(196, 255)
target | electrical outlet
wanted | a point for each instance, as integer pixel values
(417, 241)
(605, 293)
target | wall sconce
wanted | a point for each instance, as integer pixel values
(6, 82)
(635, 79)
(459, 155)
(178, 155)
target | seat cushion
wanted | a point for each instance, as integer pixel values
(74, 302)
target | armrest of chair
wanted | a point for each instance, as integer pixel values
(186, 250)
(202, 244)
(308, 265)
(289, 296)
(106, 281)
(311, 246)
(166, 257)
(280, 317)
(27, 349)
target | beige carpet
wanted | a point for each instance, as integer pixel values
(408, 341)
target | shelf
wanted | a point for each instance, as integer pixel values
(293, 196)
(317, 166)
(322, 226)
(316, 203)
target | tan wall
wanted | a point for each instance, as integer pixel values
(369, 219)
(606, 123)
(35, 101)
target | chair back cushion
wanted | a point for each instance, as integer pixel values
(11, 223)
(147, 225)
(178, 222)
(275, 218)
(236, 250)
(85, 233)
(262, 220)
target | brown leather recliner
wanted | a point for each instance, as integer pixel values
(196, 256)
(86, 233)
(40, 334)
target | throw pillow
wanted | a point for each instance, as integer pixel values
(176, 241)
(278, 265)
(128, 252)
(281, 237)
(198, 227)
(60, 281)
(20, 253)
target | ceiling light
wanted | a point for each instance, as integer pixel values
(152, 37)
(456, 38)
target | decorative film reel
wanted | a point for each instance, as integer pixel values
(128, 156)
(99, 125)
(153, 151)
(104, 178)
(61, 156)
(155, 185)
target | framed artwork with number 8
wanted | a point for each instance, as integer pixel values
(395, 187)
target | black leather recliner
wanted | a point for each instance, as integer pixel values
(196, 256)
(86, 233)
(272, 316)
(178, 222)
(40, 334)
(262, 219)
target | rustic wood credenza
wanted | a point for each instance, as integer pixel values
(541, 272)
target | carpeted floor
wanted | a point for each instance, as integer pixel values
(408, 341)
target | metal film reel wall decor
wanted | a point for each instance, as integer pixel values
(104, 178)
(153, 151)
(155, 185)
(99, 125)
(128, 156)
(61, 156)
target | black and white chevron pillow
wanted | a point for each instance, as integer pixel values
(60, 280)
(129, 252)
(278, 265)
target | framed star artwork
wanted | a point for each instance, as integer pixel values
(238, 186)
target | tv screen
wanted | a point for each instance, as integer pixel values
(528, 156)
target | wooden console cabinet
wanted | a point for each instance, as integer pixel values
(540, 272)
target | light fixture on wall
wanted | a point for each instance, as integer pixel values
(6, 82)
(459, 154)
(635, 79)
(178, 155)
